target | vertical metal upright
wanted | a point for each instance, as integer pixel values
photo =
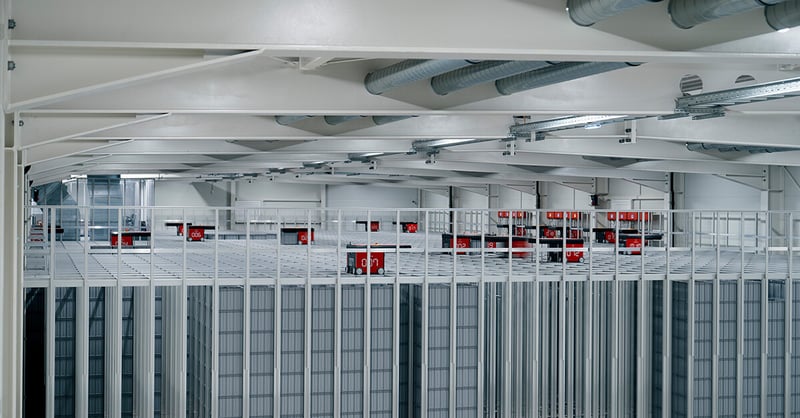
(82, 350)
(740, 324)
(276, 375)
(788, 300)
(337, 322)
(246, 310)
(367, 312)
(453, 329)
(215, 316)
(424, 334)
(715, 319)
(395, 322)
(307, 334)
(481, 372)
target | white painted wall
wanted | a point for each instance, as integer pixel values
(792, 189)
(709, 192)
(279, 195)
(563, 197)
(365, 196)
(434, 200)
(468, 199)
(508, 198)
(197, 196)
(182, 193)
(635, 195)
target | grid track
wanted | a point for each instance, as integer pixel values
(234, 260)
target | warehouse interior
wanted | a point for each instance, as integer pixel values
(516, 208)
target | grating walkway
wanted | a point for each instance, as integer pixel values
(325, 260)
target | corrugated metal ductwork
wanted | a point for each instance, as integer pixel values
(784, 15)
(589, 12)
(336, 120)
(688, 13)
(290, 119)
(481, 73)
(554, 74)
(383, 120)
(734, 148)
(409, 71)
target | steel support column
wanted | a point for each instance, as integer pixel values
(11, 290)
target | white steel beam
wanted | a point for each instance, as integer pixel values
(35, 156)
(312, 63)
(303, 25)
(39, 131)
(127, 82)
(83, 66)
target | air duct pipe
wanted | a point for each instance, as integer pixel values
(589, 12)
(290, 119)
(734, 148)
(481, 73)
(409, 71)
(336, 120)
(688, 13)
(784, 15)
(383, 120)
(554, 74)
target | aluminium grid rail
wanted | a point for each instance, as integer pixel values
(693, 244)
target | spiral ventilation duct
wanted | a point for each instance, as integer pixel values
(589, 12)
(753, 149)
(688, 13)
(784, 15)
(554, 74)
(409, 71)
(481, 73)
(290, 119)
(383, 120)
(336, 120)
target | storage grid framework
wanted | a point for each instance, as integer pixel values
(704, 323)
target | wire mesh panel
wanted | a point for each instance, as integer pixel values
(438, 351)
(231, 345)
(795, 360)
(96, 352)
(198, 355)
(158, 351)
(292, 350)
(405, 340)
(262, 351)
(65, 352)
(657, 348)
(467, 351)
(381, 345)
(627, 339)
(776, 347)
(128, 372)
(728, 334)
(352, 373)
(416, 350)
(680, 348)
(322, 338)
(703, 321)
(751, 385)
(34, 354)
